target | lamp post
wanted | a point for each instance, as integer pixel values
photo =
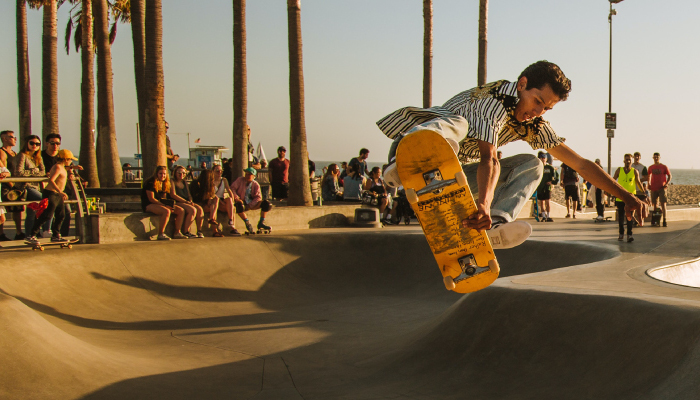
(611, 128)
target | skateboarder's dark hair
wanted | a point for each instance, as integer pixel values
(544, 72)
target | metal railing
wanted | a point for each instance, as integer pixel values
(80, 200)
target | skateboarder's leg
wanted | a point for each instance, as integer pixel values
(520, 175)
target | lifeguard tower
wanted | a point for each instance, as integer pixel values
(209, 154)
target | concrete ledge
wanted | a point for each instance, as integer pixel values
(127, 227)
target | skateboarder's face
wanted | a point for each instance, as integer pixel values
(533, 102)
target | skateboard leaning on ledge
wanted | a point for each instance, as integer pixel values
(437, 189)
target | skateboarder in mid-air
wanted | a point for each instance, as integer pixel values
(478, 121)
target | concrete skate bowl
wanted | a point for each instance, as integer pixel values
(342, 315)
(684, 274)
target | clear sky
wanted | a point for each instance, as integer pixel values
(363, 60)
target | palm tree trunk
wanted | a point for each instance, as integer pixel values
(23, 90)
(483, 28)
(49, 71)
(427, 53)
(240, 91)
(137, 8)
(299, 187)
(155, 89)
(88, 158)
(108, 164)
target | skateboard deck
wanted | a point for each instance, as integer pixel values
(437, 190)
(605, 219)
(40, 246)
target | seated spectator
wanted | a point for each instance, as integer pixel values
(227, 165)
(128, 173)
(330, 189)
(55, 194)
(203, 192)
(180, 192)
(28, 163)
(352, 185)
(343, 172)
(247, 197)
(312, 169)
(154, 199)
(375, 184)
(224, 198)
(4, 173)
(189, 176)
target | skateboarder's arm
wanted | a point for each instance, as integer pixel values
(594, 174)
(487, 176)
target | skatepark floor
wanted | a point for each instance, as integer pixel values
(351, 314)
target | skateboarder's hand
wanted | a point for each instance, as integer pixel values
(481, 220)
(638, 210)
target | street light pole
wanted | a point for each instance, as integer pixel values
(610, 15)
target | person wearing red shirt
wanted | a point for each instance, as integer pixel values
(279, 174)
(659, 177)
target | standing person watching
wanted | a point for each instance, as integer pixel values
(544, 190)
(54, 192)
(7, 157)
(569, 181)
(180, 192)
(599, 207)
(659, 178)
(352, 185)
(628, 178)
(169, 153)
(279, 174)
(248, 197)
(154, 199)
(359, 164)
(28, 163)
(4, 173)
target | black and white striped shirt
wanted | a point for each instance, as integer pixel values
(489, 110)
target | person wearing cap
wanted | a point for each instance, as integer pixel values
(544, 190)
(247, 196)
(54, 192)
(279, 174)
(49, 155)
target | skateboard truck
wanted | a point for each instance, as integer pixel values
(469, 269)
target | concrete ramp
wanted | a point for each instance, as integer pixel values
(685, 274)
(338, 314)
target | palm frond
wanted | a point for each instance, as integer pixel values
(78, 36)
(35, 4)
(113, 33)
(69, 30)
(121, 10)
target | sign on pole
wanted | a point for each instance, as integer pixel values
(611, 133)
(610, 120)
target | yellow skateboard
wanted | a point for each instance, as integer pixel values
(437, 189)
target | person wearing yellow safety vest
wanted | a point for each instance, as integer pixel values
(628, 178)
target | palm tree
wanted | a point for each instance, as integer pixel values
(299, 187)
(154, 129)
(23, 87)
(427, 53)
(240, 91)
(109, 165)
(49, 69)
(137, 11)
(88, 157)
(483, 27)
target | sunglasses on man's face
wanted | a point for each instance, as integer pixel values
(35, 143)
(55, 143)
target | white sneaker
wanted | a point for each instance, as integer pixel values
(163, 237)
(179, 235)
(509, 234)
(599, 218)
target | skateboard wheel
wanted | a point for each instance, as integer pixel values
(494, 267)
(411, 196)
(449, 283)
(461, 178)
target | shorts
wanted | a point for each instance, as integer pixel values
(658, 194)
(544, 195)
(264, 206)
(279, 190)
(571, 191)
